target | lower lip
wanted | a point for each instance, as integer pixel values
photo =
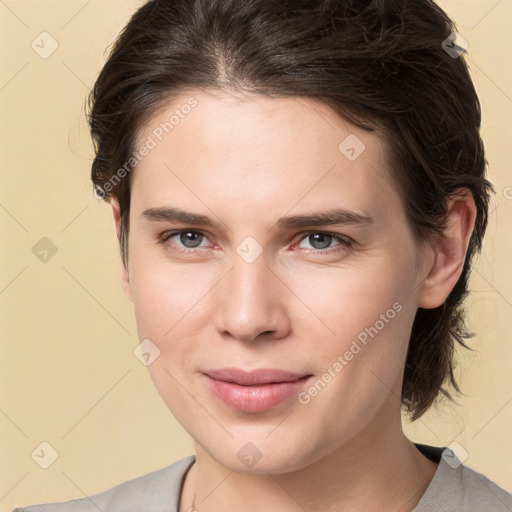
(254, 398)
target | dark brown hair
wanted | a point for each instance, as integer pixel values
(380, 64)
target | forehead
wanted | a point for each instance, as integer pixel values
(257, 152)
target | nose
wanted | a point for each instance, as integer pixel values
(252, 302)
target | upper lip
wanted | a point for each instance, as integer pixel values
(254, 377)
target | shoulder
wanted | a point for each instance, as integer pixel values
(157, 491)
(480, 493)
(458, 488)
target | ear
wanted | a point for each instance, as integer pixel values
(449, 250)
(116, 218)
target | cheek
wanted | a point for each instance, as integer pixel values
(369, 311)
(349, 299)
(167, 302)
(163, 294)
(359, 369)
(174, 307)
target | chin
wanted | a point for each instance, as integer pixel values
(266, 456)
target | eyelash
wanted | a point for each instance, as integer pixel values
(346, 243)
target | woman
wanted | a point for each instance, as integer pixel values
(298, 189)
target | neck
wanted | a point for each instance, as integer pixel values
(379, 469)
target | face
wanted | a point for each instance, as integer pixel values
(261, 279)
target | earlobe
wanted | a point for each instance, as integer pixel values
(116, 219)
(125, 283)
(449, 250)
(116, 216)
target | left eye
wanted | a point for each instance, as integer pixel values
(321, 241)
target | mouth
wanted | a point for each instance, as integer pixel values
(256, 390)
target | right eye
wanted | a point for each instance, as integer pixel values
(186, 238)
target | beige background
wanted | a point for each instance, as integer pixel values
(69, 376)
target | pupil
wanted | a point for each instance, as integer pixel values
(321, 241)
(189, 239)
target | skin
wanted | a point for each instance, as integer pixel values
(245, 163)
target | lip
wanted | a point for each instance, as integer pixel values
(256, 390)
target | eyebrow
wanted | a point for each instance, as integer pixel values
(316, 219)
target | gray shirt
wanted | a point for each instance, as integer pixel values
(454, 488)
